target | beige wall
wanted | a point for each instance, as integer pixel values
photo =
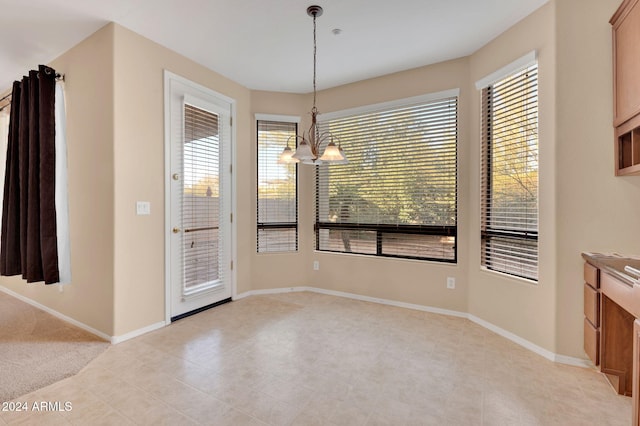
(595, 211)
(139, 286)
(115, 115)
(89, 101)
(282, 270)
(116, 157)
(409, 281)
(523, 308)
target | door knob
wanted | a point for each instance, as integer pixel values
(176, 230)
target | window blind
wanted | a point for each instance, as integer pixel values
(201, 202)
(509, 212)
(397, 196)
(277, 189)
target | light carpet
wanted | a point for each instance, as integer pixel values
(38, 349)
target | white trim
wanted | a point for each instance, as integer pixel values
(56, 314)
(167, 195)
(561, 359)
(272, 291)
(551, 356)
(576, 362)
(139, 332)
(233, 250)
(276, 117)
(521, 280)
(415, 100)
(352, 296)
(514, 338)
(517, 65)
(395, 303)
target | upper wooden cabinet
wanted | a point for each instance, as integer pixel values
(626, 87)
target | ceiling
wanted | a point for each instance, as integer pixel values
(266, 44)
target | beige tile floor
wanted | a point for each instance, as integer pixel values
(312, 359)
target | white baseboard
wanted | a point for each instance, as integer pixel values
(389, 302)
(514, 338)
(57, 314)
(576, 362)
(112, 339)
(135, 333)
(551, 356)
(271, 291)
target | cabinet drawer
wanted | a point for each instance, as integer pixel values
(592, 305)
(592, 275)
(592, 342)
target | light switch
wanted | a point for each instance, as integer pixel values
(143, 208)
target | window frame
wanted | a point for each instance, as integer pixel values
(261, 226)
(393, 229)
(488, 230)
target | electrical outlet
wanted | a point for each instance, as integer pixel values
(451, 282)
(316, 265)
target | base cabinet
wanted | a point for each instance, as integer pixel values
(616, 346)
(636, 373)
(592, 312)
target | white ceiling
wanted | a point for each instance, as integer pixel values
(266, 44)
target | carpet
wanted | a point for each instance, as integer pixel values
(38, 349)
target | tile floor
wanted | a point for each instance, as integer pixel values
(313, 359)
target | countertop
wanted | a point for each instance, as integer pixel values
(614, 264)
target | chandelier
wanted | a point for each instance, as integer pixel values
(308, 151)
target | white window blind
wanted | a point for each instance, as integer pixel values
(277, 189)
(397, 196)
(201, 201)
(509, 211)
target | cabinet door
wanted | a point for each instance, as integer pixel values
(626, 64)
(592, 342)
(635, 392)
(592, 275)
(592, 305)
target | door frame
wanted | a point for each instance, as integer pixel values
(170, 78)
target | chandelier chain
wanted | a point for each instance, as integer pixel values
(308, 150)
(314, 61)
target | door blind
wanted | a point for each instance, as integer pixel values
(277, 189)
(509, 212)
(201, 201)
(397, 196)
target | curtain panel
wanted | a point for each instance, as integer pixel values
(28, 244)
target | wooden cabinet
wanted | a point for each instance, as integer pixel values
(626, 87)
(635, 392)
(608, 327)
(616, 345)
(612, 322)
(592, 312)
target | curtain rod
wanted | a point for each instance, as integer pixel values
(59, 77)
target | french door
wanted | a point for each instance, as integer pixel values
(199, 209)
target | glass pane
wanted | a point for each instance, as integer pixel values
(402, 167)
(415, 245)
(277, 186)
(277, 240)
(200, 199)
(402, 170)
(514, 153)
(512, 256)
(348, 241)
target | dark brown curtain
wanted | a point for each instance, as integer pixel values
(28, 245)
